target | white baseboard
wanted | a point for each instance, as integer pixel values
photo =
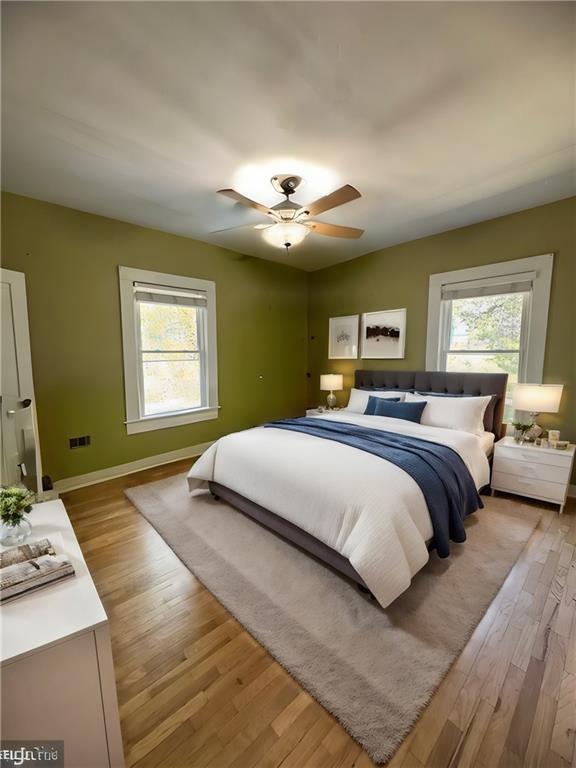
(101, 475)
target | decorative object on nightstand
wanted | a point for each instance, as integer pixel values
(330, 382)
(535, 399)
(521, 429)
(553, 437)
(15, 502)
(530, 470)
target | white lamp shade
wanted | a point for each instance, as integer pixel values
(329, 382)
(281, 234)
(537, 398)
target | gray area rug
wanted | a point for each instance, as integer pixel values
(373, 669)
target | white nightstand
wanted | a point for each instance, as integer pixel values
(316, 412)
(541, 473)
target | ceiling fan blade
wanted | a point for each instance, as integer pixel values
(244, 200)
(333, 230)
(242, 226)
(340, 196)
(231, 229)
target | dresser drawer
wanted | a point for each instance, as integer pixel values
(535, 455)
(556, 492)
(532, 469)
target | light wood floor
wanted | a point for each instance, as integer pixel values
(196, 690)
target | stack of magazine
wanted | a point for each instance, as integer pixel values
(30, 567)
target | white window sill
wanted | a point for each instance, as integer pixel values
(166, 420)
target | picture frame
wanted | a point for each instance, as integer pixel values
(343, 337)
(383, 334)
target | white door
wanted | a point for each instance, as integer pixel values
(19, 447)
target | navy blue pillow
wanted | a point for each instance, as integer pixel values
(406, 411)
(372, 402)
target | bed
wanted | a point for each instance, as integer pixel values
(360, 515)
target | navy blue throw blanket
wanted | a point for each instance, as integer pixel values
(443, 477)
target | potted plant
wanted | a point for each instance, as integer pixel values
(520, 430)
(15, 502)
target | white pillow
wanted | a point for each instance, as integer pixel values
(463, 413)
(359, 398)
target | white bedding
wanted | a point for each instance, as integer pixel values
(487, 442)
(369, 510)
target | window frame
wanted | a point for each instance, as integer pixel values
(136, 421)
(534, 316)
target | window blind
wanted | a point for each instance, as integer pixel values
(520, 282)
(160, 294)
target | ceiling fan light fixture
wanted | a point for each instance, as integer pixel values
(278, 235)
(286, 210)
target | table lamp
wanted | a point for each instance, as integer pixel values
(535, 399)
(328, 383)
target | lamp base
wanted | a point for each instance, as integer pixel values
(331, 400)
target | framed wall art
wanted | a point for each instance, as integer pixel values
(383, 334)
(343, 338)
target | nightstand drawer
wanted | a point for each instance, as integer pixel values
(535, 455)
(533, 469)
(529, 487)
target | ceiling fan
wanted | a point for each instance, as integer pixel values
(290, 221)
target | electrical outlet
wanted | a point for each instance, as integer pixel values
(79, 442)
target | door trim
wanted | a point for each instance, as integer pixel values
(17, 282)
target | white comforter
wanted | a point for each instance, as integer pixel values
(366, 508)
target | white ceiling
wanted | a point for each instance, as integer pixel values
(441, 114)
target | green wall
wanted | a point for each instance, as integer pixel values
(71, 263)
(272, 319)
(398, 277)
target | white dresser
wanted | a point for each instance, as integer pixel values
(528, 470)
(56, 659)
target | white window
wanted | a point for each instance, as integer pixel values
(169, 340)
(491, 319)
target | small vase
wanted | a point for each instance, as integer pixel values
(13, 535)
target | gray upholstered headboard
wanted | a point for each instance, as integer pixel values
(445, 384)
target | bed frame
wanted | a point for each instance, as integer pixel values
(438, 382)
